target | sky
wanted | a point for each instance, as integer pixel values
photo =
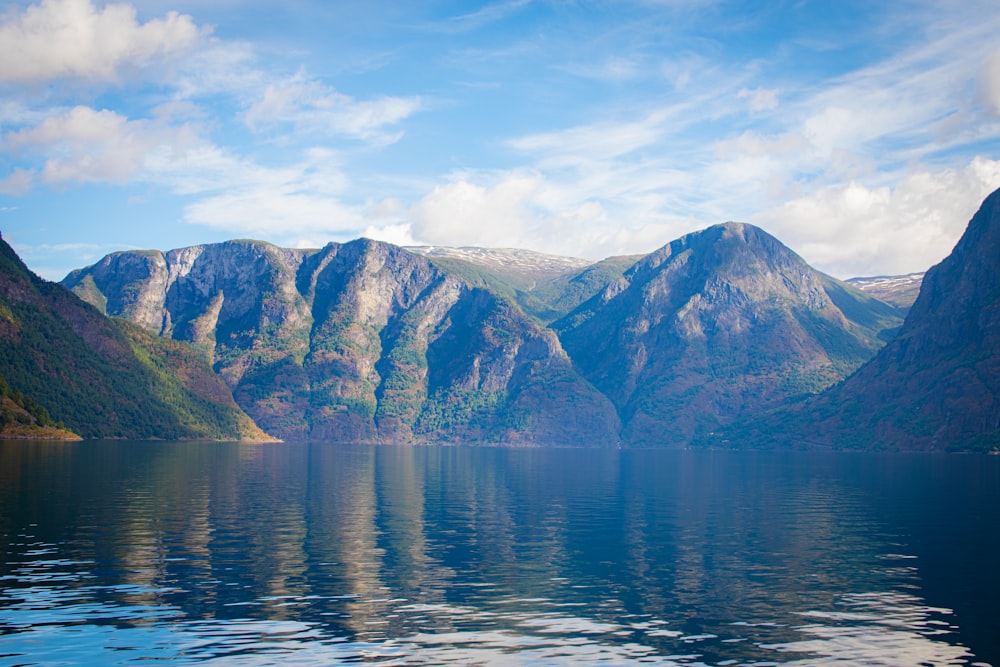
(862, 134)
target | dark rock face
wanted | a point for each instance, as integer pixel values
(937, 384)
(106, 378)
(360, 341)
(718, 326)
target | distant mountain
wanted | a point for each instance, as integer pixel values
(717, 326)
(103, 378)
(361, 341)
(937, 384)
(522, 267)
(545, 286)
(900, 291)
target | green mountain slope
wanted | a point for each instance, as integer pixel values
(104, 378)
(21, 418)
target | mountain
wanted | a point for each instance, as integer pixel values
(717, 326)
(361, 341)
(523, 268)
(104, 378)
(546, 287)
(936, 385)
(900, 291)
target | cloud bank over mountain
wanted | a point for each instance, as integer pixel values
(859, 136)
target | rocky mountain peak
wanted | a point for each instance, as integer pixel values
(719, 323)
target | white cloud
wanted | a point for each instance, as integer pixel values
(400, 234)
(311, 106)
(73, 38)
(232, 193)
(467, 213)
(846, 230)
(85, 145)
(914, 103)
(853, 229)
(523, 209)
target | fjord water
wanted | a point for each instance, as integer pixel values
(115, 553)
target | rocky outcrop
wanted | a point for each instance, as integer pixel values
(361, 341)
(718, 326)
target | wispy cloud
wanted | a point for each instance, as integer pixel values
(602, 129)
(242, 197)
(598, 141)
(856, 158)
(309, 106)
(615, 68)
(486, 15)
(163, 136)
(760, 99)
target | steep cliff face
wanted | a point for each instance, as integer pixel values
(937, 384)
(717, 326)
(357, 342)
(102, 377)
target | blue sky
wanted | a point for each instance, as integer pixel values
(862, 134)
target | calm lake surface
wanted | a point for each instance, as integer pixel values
(117, 553)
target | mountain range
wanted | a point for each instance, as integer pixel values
(722, 337)
(361, 341)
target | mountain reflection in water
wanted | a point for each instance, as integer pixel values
(323, 554)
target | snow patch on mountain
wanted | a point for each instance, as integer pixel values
(527, 261)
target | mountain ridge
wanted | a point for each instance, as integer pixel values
(722, 337)
(355, 341)
(372, 342)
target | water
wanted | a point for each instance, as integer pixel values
(117, 553)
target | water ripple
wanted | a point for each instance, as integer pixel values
(303, 555)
